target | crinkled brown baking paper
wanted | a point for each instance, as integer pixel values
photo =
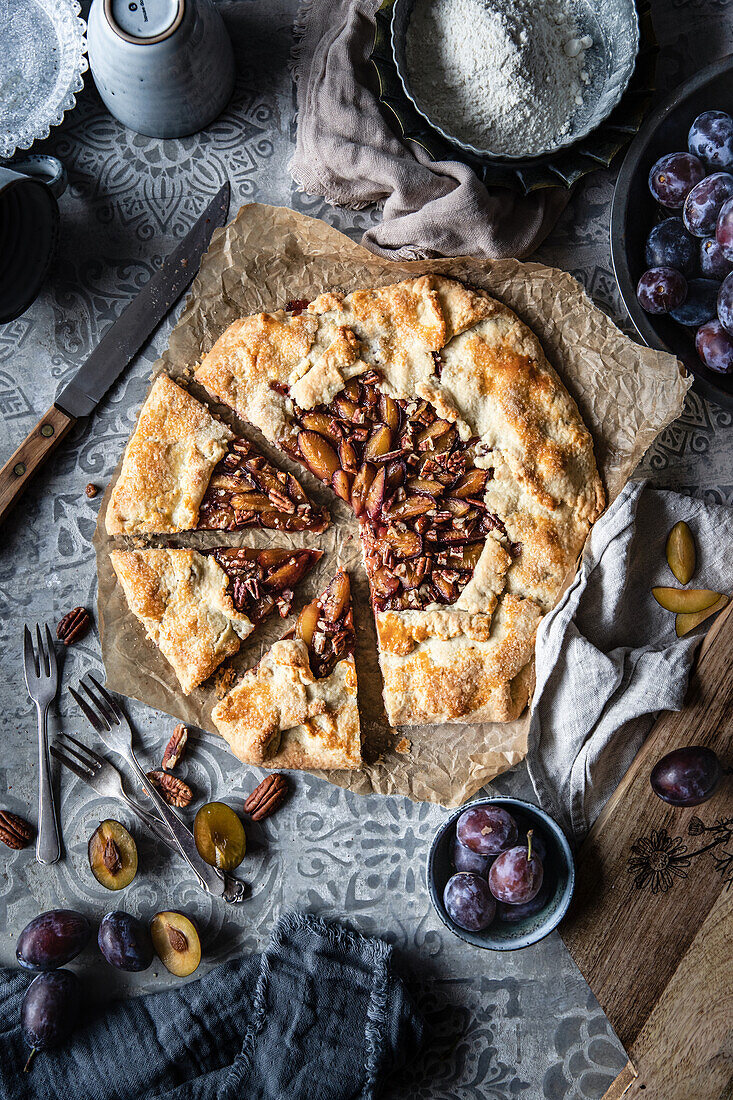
(269, 255)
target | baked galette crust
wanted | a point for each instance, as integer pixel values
(167, 465)
(182, 599)
(482, 369)
(280, 716)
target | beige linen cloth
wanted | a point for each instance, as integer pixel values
(346, 152)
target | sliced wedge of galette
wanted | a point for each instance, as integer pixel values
(297, 708)
(184, 470)
(197, 608)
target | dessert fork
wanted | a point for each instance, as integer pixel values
(103, 777)
(42, 681)
(107, 718)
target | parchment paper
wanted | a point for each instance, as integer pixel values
(269, 255)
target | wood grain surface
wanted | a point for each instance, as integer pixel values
(651, 924)
(33, 451)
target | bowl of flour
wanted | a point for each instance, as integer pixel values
(514, 79)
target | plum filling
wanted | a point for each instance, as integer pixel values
(327, 628)
(245, 490)
(412, 482)
(262, 580)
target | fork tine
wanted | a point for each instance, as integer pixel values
(101, 707)
(92, 768)
(91, 715)
(29, 657)
(43, 669)
(93, 756)
(52, 666)
(81, 772)
(116, 710)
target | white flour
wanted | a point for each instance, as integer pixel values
(505, 76)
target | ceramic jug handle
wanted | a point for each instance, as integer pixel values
(48, 170)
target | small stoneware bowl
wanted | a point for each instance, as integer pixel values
(614, 27)
(559, 871)
(164, 68)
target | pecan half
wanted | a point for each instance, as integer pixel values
(175, 748)
(74, 626)
(91, 490)
(173, 790)
(267, 797)
(14, 831)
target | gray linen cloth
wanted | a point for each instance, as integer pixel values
(321, 1014)
(608, 658)
(346, 151)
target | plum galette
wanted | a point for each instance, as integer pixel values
(431, 409)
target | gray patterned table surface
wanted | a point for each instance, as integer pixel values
(502, 1025)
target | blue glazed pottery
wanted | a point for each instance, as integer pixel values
(164, 68)
(559, 870)
(29, 226)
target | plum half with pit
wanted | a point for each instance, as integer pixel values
(112, 855)
(176, 942)
(516, 875)
(469, 902)
(219, 836)
(486, 829)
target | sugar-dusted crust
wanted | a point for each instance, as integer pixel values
(481, 367)
(280, 716)
(181, 599)
(167, 465)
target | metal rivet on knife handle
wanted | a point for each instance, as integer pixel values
(19, 469)
(47, 430)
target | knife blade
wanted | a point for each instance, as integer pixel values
(119, 344)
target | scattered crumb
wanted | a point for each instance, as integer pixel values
(403, 746)
(224, 681)
(91, 490)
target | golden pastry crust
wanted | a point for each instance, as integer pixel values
(280, 716)
(167, 464)
(181, 599)
(481, 368)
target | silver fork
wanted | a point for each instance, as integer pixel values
(107, 718)
(42, 681)
(104, 778)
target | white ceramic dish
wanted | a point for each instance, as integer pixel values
(41, 65)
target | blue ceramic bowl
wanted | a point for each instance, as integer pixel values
(559, 872)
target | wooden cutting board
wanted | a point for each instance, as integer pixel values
(651, 925)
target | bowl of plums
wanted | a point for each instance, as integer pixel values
(500, 873)
(672, 229)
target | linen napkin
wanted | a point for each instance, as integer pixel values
(321, 1014)
(346, 152)
(608, 658)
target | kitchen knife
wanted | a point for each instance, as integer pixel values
(121, 341)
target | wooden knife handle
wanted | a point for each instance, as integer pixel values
(33, 451)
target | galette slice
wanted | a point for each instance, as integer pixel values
(197, 608)
(297, 708)
(184, 470)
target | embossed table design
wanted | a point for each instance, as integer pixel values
(502, 1026)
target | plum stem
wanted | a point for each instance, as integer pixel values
(529, 844)
(31, 1056)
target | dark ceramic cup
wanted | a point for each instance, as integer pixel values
(29, 226)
